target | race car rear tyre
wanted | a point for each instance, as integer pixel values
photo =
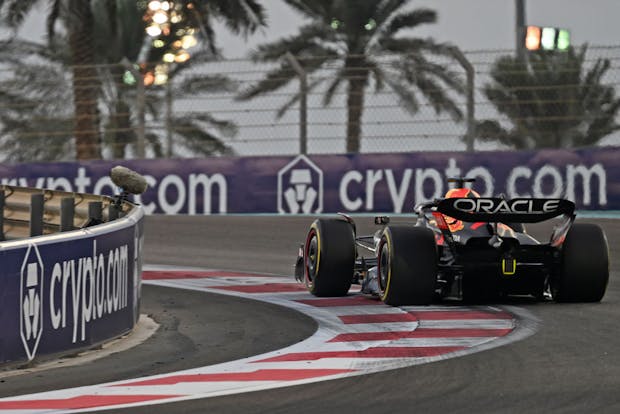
(407, 265)
(584, 268)
(329, 257)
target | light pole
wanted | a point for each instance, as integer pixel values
(520, 27)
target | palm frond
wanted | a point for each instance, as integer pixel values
(227, 128)
(304, 40)
(15, 11)
(406, 96)
(408, 20)
(333, 87)
(295, 98)
(385, 9)
(200, 84)
(198, 140)
(274, 80)
(313, 9)
(239, 16)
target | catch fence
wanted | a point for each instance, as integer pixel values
(183, 118)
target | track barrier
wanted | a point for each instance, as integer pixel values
(70, 271)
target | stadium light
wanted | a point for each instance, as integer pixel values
(532, 38)
(163, 18)
(547, 38)
(563, 39)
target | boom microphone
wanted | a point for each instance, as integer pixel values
(130, 181)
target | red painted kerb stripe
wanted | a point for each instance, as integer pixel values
(260, 375)
(421, 333)
(377, 352)
(191, 274)
(264, 288)
(378, 318)
(83, 401)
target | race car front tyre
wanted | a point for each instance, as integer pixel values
(329, 257)
(584, 268)
(407, 265)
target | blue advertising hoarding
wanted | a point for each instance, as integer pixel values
(349, 183)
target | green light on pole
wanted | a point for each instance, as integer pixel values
(563, 39)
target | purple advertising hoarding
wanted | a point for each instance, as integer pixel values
(391, 183)
(69, 293)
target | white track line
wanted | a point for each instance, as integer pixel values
(356, 335)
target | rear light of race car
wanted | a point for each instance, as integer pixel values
(441, 221)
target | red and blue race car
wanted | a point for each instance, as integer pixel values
(462, 246)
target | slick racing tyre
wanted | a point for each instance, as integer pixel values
(584, 268)
(329, 257)
(407, 265)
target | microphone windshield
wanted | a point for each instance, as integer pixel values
(130, 181)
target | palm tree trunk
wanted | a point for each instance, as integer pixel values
(85, 81)
(358, 78)
(123, 133)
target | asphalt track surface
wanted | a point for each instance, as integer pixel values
(572, 364)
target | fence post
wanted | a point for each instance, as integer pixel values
(469, 70)
(303, 102)
(37, 202)
(114, 212)
(95, 212)
(140, 104)
(67, 212)
(169, 119)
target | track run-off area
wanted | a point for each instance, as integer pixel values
(284, 344)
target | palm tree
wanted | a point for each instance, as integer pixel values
(363, 40)
(241, 17)
(116, 31)
(121, 26)
(35, 123)
(77, 17)
(197, 132)
(550, 100)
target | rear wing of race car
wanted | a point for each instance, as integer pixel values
(518, 210)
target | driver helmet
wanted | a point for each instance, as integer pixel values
(454, 224)
(462, 193)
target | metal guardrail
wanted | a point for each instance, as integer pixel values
(28, 212)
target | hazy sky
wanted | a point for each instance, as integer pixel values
(471, 24)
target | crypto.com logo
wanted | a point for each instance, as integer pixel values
(300, 187)
(31, 294)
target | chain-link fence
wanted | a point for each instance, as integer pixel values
(198, 109)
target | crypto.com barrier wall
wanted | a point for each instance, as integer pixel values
(348, 183)
(69, 291)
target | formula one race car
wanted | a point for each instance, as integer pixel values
(462, 246)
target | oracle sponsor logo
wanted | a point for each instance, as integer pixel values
(494, 206)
